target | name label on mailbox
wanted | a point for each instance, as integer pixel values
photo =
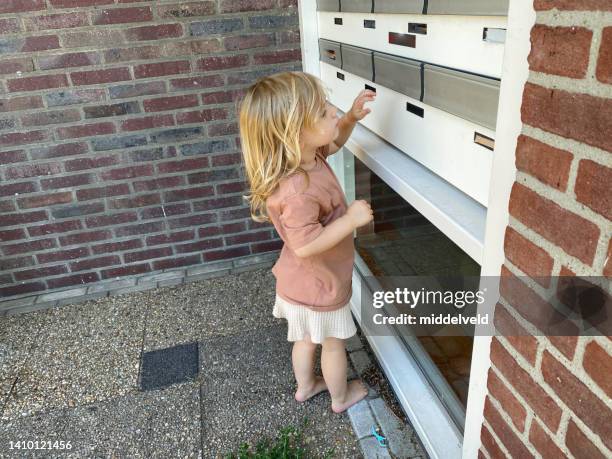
(402, 39)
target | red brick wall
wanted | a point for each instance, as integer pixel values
(552, 396)
(119, 149)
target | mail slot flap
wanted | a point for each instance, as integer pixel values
(358, 61)
(328, 5)
(329, 51)
(398, 6)
(472, 97)
(398, 73)
(357, 6)
(468, 7)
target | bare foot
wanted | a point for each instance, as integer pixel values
(319, 386)
(355, 391)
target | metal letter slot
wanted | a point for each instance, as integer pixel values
(340, 76)
(418, 111)
(494, 35)
(371, 88)
(402, 39)
(369, 23)
(329, 52)
(338, 21)
(484, 141)
(413, 27)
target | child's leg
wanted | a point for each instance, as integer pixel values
(333, 364)
(303, 357)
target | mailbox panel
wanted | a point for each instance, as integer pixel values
(328, 5)
(468, 7)
(450, 41)
(398, 73)
(472, 97)
(356, 6)
(442, 142)
(330, 52)
(398, 6)
(358, 61)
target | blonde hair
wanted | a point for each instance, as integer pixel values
(272, 114)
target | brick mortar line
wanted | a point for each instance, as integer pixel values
(529, 420)
(585, 86)
(594, 54)
(578, 149)
(559, 438)
(484, 451)
(576, 265)
(601, 252)
(589, 19)
(565, 200)
(572, 176)
(579, 352)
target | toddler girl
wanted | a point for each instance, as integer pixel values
(287, 131)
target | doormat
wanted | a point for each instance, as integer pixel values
(173, 365)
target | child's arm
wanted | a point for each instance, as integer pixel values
(345, 128)
(358, 214)
(329, 237)
(348, 121)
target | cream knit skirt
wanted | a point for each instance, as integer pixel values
(303, 321)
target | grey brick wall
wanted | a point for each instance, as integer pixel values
(119, 147)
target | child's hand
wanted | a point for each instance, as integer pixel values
(357, 111)
(360, 213)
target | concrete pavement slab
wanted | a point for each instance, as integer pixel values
(212, 307)
(156, 424)
(84, 353)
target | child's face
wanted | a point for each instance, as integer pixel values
(325, 129)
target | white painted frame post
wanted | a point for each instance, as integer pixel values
(515, 71)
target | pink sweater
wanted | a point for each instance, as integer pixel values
(320, 282)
